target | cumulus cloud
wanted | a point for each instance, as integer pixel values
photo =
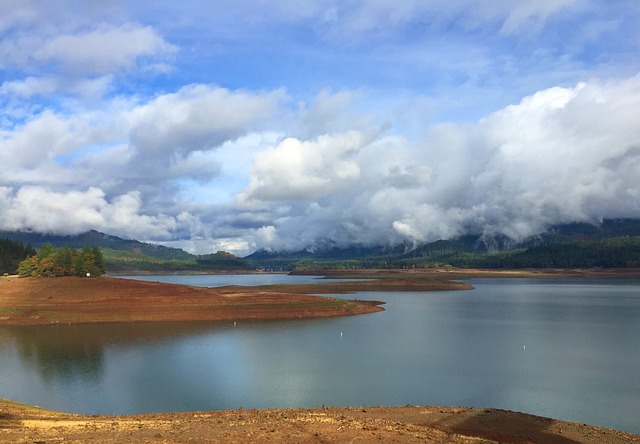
(54, 49)
(171, 136)
(302, 170)
(560, 155)
(102, 50)
(390, 149)
(42, 210)
(137, 159)
(199, 117)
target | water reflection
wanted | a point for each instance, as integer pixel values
(69, 352)
(59, 352)
(437, 348)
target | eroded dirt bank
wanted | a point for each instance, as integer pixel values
(72, 300)
(25, 424)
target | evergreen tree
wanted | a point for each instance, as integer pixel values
(11, 253)
(64, 261)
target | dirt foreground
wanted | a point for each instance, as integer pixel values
(411, 424)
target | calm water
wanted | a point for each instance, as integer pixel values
(568, 349)
(219, 280)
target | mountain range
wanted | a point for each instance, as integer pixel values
(125, 255)
(613, 243)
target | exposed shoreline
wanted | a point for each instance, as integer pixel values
(72, 300)
(76, 300)
(21, 423)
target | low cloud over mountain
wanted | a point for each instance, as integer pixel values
(132, 126)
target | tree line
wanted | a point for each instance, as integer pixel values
(613, 252)
(63, 261)
(11, 253)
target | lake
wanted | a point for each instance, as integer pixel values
(562, 348)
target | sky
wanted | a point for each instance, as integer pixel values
(282, 125)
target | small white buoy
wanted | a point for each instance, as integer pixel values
(524, 347)
(340, 334)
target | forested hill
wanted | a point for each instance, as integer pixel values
(129, 256)
(615, 243)
(100, 240)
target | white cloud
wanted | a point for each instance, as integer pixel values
(200, 117)
(42, 210)
(102, 50)
(125, 143)
(302, 170)
(91, 119)
(29, 87)
(560, 155)
(329, 112)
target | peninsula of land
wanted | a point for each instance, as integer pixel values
(77, 300)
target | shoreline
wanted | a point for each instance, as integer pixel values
(80, 300)
(472, 273)
(21, 423)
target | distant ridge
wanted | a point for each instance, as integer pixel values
(98, 239)
(132, 256)
(614, 243)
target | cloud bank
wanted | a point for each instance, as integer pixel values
(266, 125)
(558, 156)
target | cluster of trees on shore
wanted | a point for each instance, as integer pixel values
(11, 253)
(63, 261)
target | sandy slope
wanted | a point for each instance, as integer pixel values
(24, 424)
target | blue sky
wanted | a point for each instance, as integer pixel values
(269, 124)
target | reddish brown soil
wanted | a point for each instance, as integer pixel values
(30, 301)
(411, 424)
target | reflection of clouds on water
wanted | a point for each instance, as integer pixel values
(201, 371)
(59, 352)
(68, 352)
